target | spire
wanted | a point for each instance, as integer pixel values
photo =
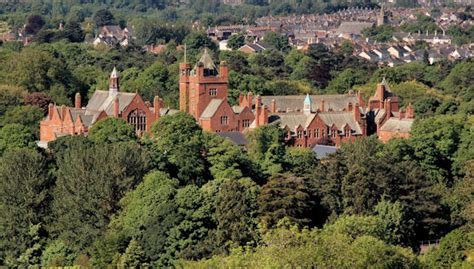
(114, 82)
(207, 64)
(307, 107)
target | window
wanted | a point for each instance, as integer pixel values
(316, 133)
(245, 123)
(309, 133)
(333, 133)
(137, 118)
(224, 120)
(348, 133)
(300, 134)
(213, 92)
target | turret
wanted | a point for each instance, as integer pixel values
(307, 106)
(114, 85)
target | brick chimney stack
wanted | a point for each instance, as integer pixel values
(77, 100)
(273, 106)
(116, 107)
(349, 106)
(357, 112)
(250, 99)
(322, 105)
(257, 110)
(50, 110)
(156, 107)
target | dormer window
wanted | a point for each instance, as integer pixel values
(213, 92)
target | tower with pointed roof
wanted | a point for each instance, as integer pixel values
(382, 17)
(200, 85)
(114, 85)
(308, 104)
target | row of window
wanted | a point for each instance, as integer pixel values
(225, 121)
(309, 133)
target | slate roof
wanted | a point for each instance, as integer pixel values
(207, 61)
(236, 137)
(211, 108)
(292, 120)
(353, 27)
(397, 125)
(322, 150)
(103, 101)
(296, 102)
(340, 119)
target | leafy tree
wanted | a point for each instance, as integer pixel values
(133, 257)
(112, 130)
(178, 148)
(435, 140)
(90, 182)
(28, 116)
(236, 213)
(267, 148)
(236, 41)
(426, 105)
(103, 17)
(24, 203)
(278, 41)
(73, 31)
(10, 96)
(34, 24)
(39, 99)
(300, 161)
(452, 250)
(14, 136)
(459, 80)
(57, 253)
(287, 196)
(346, 80)
(227, 161)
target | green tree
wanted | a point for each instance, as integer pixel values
(459, 81)
(24, 202)
(236, 213)
(90, 182)
(15, 136)
(287, 196)
(103, 17)
(236, 41)
(112, 130)
(300, 162)
(267, 148)
(134, 256)
(178, 145)
(57, 253)
(452, 249)
(10, 96)
(28, 116)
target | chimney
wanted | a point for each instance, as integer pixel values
(322, 106)
(77, 101)
(156, 107)
(50, 110)
(223, 70)
(273, 106)
(241, 99)
(360, 99)
(257, 111)
(349, 106)
(264, 115)
(410, 112)
(63, 112)
(249, 99)
(388, 108)
(380, 91)
(357, 112)
(116, 107)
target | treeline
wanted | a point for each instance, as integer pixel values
(183, 195)
(33, 77)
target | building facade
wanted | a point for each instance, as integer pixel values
(77, 120)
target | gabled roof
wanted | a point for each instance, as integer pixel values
(397, 125)
(335, 102)
(207, 61)
(236, 137)
(340, 119)
(292, 120)
(211, 108)
(103, 101)
(353, 27)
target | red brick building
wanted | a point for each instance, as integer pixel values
(203, 94)
(77, 120)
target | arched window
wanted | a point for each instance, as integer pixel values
(137, 118)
